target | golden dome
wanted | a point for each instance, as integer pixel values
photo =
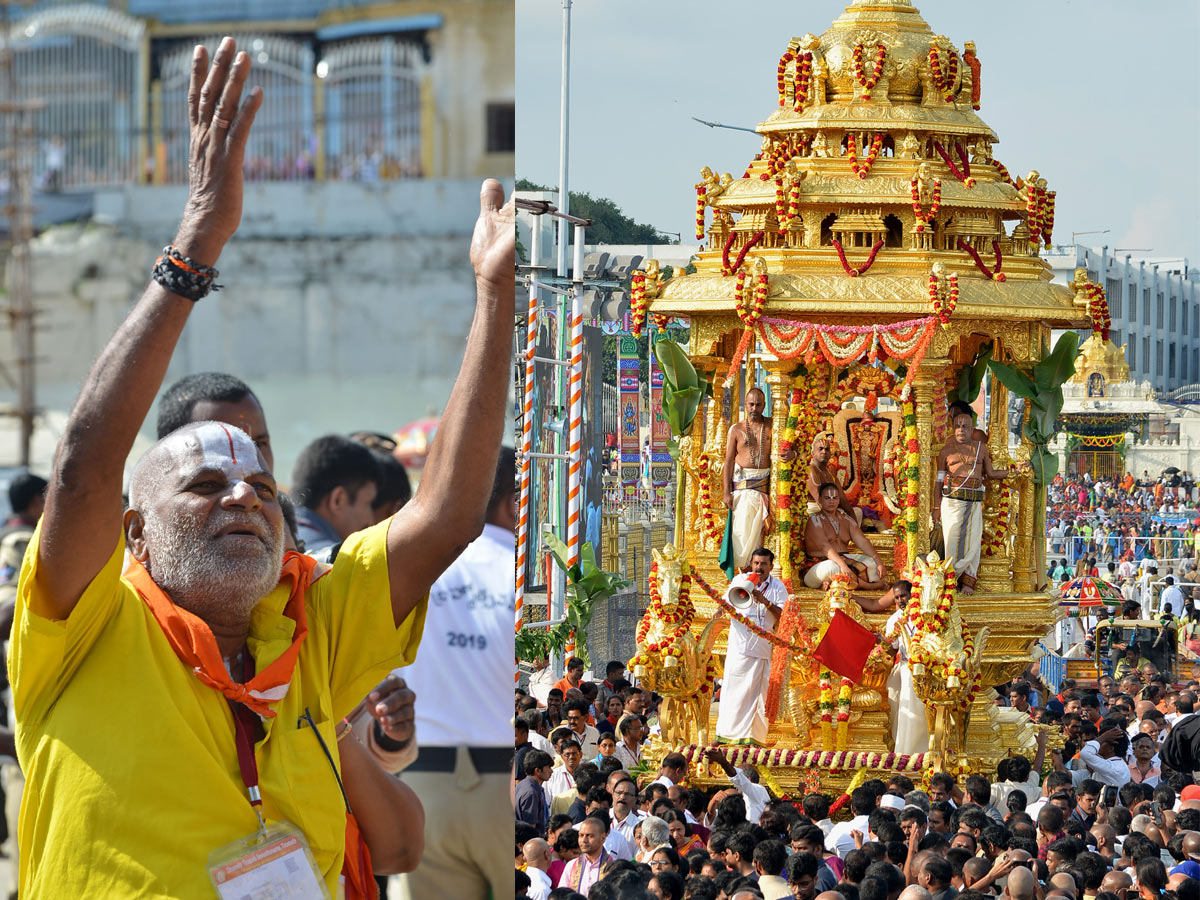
(830, 195)
(1104, 357)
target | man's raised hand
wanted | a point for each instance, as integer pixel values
(220, 124)
(493, 245)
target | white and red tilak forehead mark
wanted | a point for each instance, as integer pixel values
(223, 447)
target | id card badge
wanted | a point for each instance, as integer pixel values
(275, 864)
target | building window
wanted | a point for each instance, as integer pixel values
(1196, 321)
(1114, 298)
(1158, 358)
(1196, 362)
(1170, 361)
(1183, 367)
(1146, 355)
(1174, 314)
(501, 128)
(1158, 311)
(1132, 360)
(1146, 306)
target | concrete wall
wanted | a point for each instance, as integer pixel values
(344, 306)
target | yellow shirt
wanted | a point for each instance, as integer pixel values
(131, 772)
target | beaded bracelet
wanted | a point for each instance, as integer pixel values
(184, 276)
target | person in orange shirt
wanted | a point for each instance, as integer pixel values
(573, 677)
(1128, 482)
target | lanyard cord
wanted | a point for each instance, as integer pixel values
(245, 722)
(329, 756)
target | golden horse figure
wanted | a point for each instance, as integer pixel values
(670, 659)
(942, 654)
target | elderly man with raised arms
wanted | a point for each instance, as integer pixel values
(175, 718)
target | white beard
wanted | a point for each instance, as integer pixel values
(205, 578)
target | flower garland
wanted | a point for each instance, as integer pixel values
(755, 629)
(868, 82)
(1098, 308)
(825, 706)
(944, 82)
(793, 200)
(1033, 214)
(749, 305)
(990, 274)
(841, 345)
(781, 74)
(681, 617)
(912, 469)
(700, 214)
(994, 546)
(920, 661)
(802, 82)
(728, 268)
(637, 302)
(845, 692)
(1002, 171)
(780, 206)
(784, 473)
(941, 412)
(966, 178)
(861, 761)
(864, 168)
(1047, 214)
(711, 529)
(973, 64)
(943, 311)
(925, 217)
(854, 273)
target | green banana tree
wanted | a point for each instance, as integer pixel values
(1044, 397)
(971, 380)
(684, 389)
(587, 584)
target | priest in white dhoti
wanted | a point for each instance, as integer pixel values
(909, 725)
(742, 710)
(746, 478)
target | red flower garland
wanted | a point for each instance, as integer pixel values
(767, 636)
(1047, 214)
(990, 274)
(781, 74)
(1004, 174)
(637, 302)
(944, 83)
(943, 312)
(711, 530)
(854, 273)
(954, 170)
(995, 544)
(868, 83)
(1033, 214)
(1098, 308)
(728, 268)
(700, 192)
(803, 81)
(973, 64)
(923, 217)
(852, 148)
(780, 205)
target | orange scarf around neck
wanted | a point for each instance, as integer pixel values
(192, 639)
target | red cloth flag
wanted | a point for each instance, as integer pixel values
(845, 647)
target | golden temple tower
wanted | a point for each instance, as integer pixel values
(875, 244)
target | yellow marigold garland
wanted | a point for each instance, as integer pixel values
(994, 546)
(863, 169)
(711, 529)
(637, 302)
(868, 82)
(785, 480)
(912, 470)
(924, 217)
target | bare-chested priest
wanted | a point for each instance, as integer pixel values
(963, 467)
(827, 539)
(819, 474)
(747, 480)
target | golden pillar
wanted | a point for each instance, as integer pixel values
(928, 375)
(779, 380)
(1025, 579)
(995, 572)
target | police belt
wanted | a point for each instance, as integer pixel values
(444, 759)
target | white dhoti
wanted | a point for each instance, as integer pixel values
(907, 712)
(749, 511)
(742, 712)
(962, 530)
(827, 568)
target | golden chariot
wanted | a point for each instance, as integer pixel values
(867, 257)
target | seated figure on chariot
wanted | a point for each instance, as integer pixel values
(742, 716)
(827, 539)
(963, 469)
(819, 473)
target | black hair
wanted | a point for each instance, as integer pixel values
(394, 486)
(24, 489)
(960, 407)
(176, 404)
(799, 865)
(330, 462)
(763, 551)
(536, 759)
(824, 485)
(771, 855)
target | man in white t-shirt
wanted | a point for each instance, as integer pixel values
(463, 772)
(741, 717)
(1172, 598)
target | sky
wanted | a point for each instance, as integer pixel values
(1100, 96)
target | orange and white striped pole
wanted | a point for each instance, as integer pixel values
(575, 415)
(526, 438)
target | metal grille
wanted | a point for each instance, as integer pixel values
(373, 109)
(282, 145)
(84, 63)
